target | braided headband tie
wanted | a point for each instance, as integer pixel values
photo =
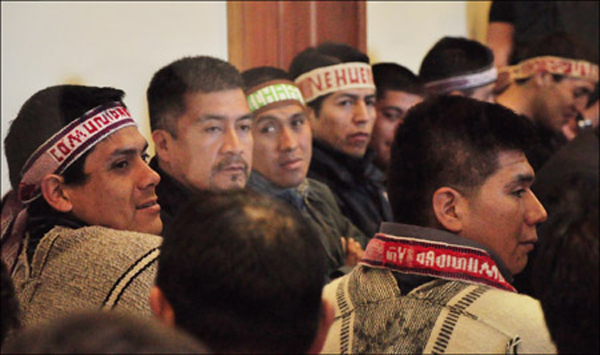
(326, 80)
(68, 144)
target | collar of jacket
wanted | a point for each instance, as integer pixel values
(347, 168)
(294, 195)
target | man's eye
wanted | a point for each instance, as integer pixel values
(370, 102)
(246, 127)
(267, 129)
(519, 193)
(345, 103)
(212, 129)
(120, 164)
(146, 157)
(298, 122)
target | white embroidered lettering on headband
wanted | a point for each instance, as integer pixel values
(273, 92)
(463, 82)
(326, 80)
(67, 145)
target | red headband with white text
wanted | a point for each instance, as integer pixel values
(326, 80)
(68, 144)
(578, 69)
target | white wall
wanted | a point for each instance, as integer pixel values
(123, 44)
(403, 31)
(100, 44)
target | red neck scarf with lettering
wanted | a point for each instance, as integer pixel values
(437, 259)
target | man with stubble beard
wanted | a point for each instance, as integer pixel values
(201, 126)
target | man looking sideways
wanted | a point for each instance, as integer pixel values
(336, 81)
(82, 188)
(282, 153)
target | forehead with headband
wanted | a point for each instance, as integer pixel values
(578, 69)
(273, 94)
(326, 80)
(71, 142)
(485, 76)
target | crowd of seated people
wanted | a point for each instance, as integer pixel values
(385, 212)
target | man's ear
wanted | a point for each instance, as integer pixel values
(325, 321)
(449, 208)
(160, 307)
(54, 193)
(162, 144)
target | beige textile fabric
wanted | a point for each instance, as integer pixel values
(373, 316)
(86, 268)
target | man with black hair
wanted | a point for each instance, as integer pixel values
(398, 89)
(336, 81)
(459, 66)
(282, 153)
(551, 84)
(97, 332)
(438, 279)
(243, 273)
(74, 226)
(201, 127)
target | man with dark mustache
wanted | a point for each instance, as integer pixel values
(201, 127)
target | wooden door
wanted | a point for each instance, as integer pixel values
(273, 32)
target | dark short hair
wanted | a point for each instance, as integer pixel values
(394, 77)
(44, 114)
(168, 87)
(324, 55)
(455, 56)
(565, 270)
(243, 272)
(449, 141)
(101, 332)
(256, 76)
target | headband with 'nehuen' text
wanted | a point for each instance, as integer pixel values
(68, 144)
(463, 82)
(272, 94)
(326, 80)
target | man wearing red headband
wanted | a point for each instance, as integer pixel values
(336, 81)
(551, 84)
(81, 190)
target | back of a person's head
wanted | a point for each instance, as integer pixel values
(168, 87)
(557, 44)
(449, 141)
(454, 56)
(565, 270)
(99, 332)
(44, 114)
(259, 75)
(394, 77)
(243, 273)
(9, 304)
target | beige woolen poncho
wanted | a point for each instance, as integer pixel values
(86, 268)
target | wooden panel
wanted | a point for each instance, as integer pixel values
(273, 32)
